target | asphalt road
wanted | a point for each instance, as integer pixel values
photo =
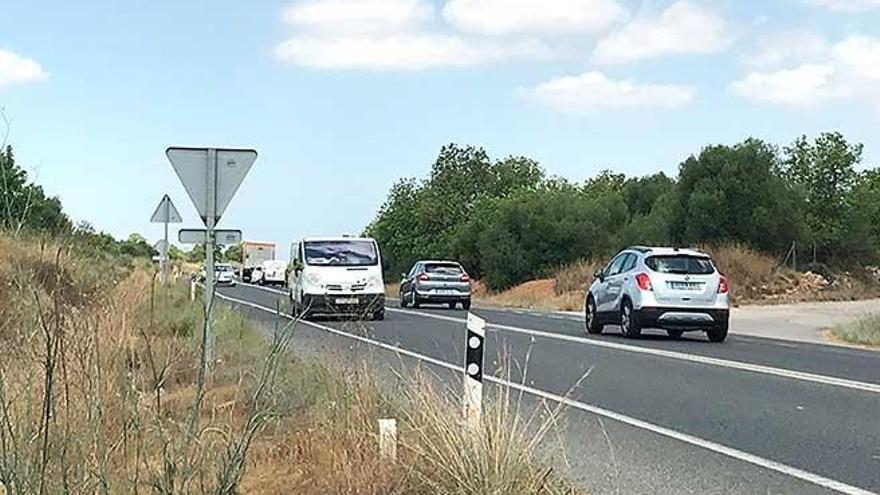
(750, 415)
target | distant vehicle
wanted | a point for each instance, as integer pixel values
(253, 254)
(436, 282)
(271, 272)
(224, 274)
(678, 290)
(337, 275)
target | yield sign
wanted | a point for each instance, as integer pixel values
(211, 176)
(166, 212)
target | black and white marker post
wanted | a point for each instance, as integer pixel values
(473, 376)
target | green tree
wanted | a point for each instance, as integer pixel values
(233, 253)
(137, 246)
(823, 171)
(23, 204)
(734, 193)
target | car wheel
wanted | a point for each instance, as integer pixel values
(675, 334)
(414, 299)
(466, 304)
(591, 317)
(718, 333)
(629, 324)
(451, 305)
(403, 301)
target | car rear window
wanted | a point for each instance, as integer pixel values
(680, 263)
(443, 268)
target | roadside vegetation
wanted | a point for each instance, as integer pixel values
(863, 331)
(776, 218)
(101, 392)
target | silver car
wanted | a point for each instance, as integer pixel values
(436, 282)
(678, 290)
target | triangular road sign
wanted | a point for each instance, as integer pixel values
(166, 212)
(191, 165)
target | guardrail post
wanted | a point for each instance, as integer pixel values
(192, 289)
(473, 376)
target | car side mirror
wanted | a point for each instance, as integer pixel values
(402, 276)
(600, 275)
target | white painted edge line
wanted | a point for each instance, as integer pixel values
(681, 356)
(637, 423)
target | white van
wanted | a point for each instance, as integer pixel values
(337, 275)
(271, 272)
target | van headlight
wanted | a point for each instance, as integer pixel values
(375, 283)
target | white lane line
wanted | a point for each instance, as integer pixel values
(737, 454)
(681, 356)
(694, 358)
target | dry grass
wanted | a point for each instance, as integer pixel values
(752, 275)
(98, 393)
(864, 331)
(535, 294)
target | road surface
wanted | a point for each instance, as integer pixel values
(657, 415)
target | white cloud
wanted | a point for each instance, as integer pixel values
(683, 28)
(786, 48)
(358, 16)
(15, 69)
(548, 17)
(847, 5)
(860, 55)
(594, 91)
(402, 52)
(804, 86)
(849, 69)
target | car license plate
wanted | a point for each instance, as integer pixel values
(446, 292)
(346, 300)
(685, 285)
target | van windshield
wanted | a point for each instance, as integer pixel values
(680, 263)
(341, 253)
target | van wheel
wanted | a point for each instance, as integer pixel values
(379, 315)
(629, 322)
(591, 318)
(718, 333)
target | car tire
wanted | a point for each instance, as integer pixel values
(451, 305)
(591, 317)
(466, 304)
(629, 322)
(718, 333)
(414, 299)
(675, 334)
(403, 302)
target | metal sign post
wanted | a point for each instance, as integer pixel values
(211, 176)
(165, 213)
(473, 372)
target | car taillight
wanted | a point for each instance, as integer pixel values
(465, 278)
(643, 281)
(723, 287)
(423, 277)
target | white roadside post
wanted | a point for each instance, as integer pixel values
(388, 440)
(165, 213)
(473, 376)
(211, 177)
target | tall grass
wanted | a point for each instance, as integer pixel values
(863, 331)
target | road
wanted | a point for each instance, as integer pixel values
(751, 415)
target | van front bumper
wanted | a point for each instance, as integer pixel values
(340, 303)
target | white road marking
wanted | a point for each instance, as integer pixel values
(694, 358)
(682, 356)
(737, 454)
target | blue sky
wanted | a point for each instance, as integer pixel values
(342, 97)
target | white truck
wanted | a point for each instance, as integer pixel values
(337, 275)
(253, 254)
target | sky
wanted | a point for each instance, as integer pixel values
(343, 97)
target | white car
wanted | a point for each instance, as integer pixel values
(224, 274)
(337, 275)
(271, 272)
(678, 290)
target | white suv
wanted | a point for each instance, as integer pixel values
(678, 290)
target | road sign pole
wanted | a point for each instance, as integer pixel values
(163, 260)
(210, 218)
